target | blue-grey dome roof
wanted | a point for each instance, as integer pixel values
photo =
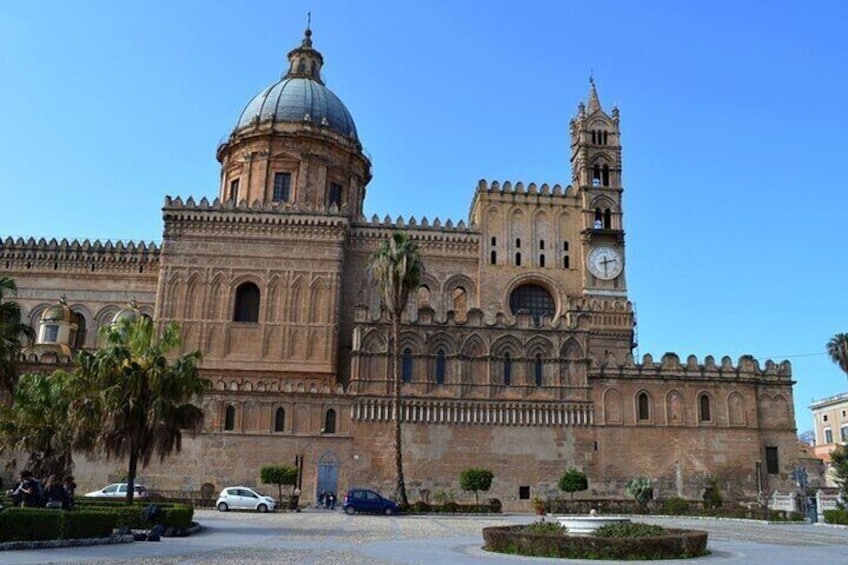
(297, 99)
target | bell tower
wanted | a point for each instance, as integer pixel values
(596, 173)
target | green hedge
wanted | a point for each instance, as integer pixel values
(672, 544)
(836, 517)
(90, 521)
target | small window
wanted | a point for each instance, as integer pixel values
(605, 176)
(460, 304)
(828, 436)
(704, 408)
(566, 262)
(330, 422)
(772, 466)
(247, 303)
(644, 407)
(542, 260)
(230, 418)
(507, 369)
(565, 246)
(493, 258)
(494, 241)
(282, 187)
(541, 244)
(406, 366)
(279, 420)
(843, 433)
(523, 493)
(537, 370)
(440, 367)
(518, 259)
(234, 191)
(51, 333)
(335, 195)
(824, 417)
(79, 339)
(518, 242)
(608, 219)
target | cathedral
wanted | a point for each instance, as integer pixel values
(517, 347)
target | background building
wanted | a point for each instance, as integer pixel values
(517, 347)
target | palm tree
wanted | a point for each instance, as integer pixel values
(139, 401)
(837, 348)
(397, 268)
(12, 332)
(37, 423)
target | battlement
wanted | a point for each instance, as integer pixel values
(519, 188)
(40, 252)
(177, 203)
(669, 365)
(414, 224)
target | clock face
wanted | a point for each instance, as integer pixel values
(605, 262)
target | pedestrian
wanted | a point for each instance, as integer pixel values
(55, 493)
(29, 490)
(332, 500)
(70, 487)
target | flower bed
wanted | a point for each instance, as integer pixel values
(521, 540)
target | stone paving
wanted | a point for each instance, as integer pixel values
(327, 538)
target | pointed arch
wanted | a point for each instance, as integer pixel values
(612, 406)
(674, 407)
(297, 300)
(193, 297)
(644, 406)
(318, 301)
(736, 409)
(279, 419)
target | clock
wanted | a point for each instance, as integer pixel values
(605, 262)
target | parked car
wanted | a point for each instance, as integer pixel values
(244, 498)
(365, 500)
(119, 490)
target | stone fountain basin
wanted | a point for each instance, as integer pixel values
(586, 525)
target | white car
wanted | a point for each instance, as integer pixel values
(119, 490)
(244, 498)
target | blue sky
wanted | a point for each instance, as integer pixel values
(733, 118)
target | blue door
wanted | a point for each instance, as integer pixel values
(328, 475)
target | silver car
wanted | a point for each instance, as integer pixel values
(244, 498)
(118, 490)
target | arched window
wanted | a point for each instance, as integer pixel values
(644, 408)
(565, 262)
(423, 296)
(79, 338)
(605, 137)
(608, 219)
(440, 367)
(493, 258)
(518, 242)
(247, 303)
(230, 418)
(599, 219)
(704, 414)
(460, 304)
(533, 299)
(507, 369)
(594, 136)
(518, 259)
(279, 420)
(541, 244)
(596, 175)
(605, 176)
(542, 260)
(406, 365)
(537, 370)
(330, 421)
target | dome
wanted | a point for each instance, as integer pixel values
(299, 99)
(57, 313)
(300, 96)
(130, 313)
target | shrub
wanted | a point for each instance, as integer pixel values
(675, 506)
(495, 505)
(629, 530)
(640, 489)
(87, 524)
(546, 529)
(27, 524)
(573, 481)
(421, 506)
(451, 507)
(836, 517)
(476, 480)
(712, 494)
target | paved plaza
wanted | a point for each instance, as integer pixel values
(331, 537)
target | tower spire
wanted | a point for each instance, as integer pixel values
(594, 102)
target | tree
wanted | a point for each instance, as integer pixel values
(573, 481)
(12, 333)
(839, 466)
(137, 399)
(640, 489)
(397, 267)
(279, 475)
(37, 423)
(476, 480)
(837, 348)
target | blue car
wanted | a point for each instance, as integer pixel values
(368, 501)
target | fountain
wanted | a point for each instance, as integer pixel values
(586, 525)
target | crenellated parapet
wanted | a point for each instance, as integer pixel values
(670, 366)
(520, 188)
(243, 217)
(80, 255)
(433, 237)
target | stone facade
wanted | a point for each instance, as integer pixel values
(516, 347)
